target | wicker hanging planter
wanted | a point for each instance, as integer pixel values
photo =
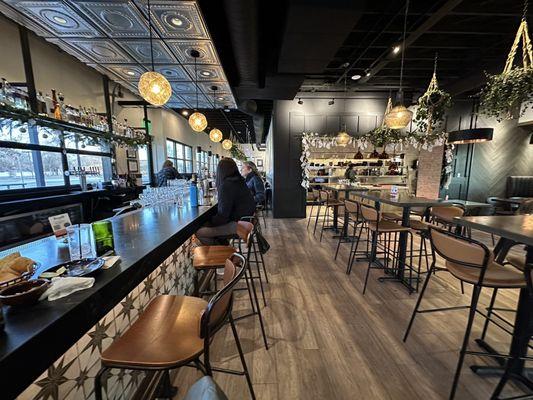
(509, 94)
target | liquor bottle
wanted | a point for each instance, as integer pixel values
(57, 108)
(41, 104)
(62, 106)
(49, 106)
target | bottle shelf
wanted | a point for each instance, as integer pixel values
(7, 112)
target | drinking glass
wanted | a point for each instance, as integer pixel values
(88, 249)
(73, 237)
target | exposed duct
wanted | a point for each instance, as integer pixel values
(250, 107)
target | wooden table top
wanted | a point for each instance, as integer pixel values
(515, 227)
(512, 201)
(347, 188)
(469, 204)
(401, 201)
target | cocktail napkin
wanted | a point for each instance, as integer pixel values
(62, 287)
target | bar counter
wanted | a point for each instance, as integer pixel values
(37, 336)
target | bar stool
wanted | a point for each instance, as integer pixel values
(444, 215)
(315, 200)
(472, 262)
(206, 258)
(175, 331)
(330, 204)
(351, 215)
(379, 227)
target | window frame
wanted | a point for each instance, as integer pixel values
(63, 150)
(186, 161)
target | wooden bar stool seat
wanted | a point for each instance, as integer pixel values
(517, 261)
(208, 257)
(165, 336)
(496, 275)
(391, 216)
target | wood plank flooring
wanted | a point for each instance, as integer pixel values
(328, 341)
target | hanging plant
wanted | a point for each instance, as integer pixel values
(238, 154)
(380, 137)
(432, 107)
(304, 158)
(509, 94)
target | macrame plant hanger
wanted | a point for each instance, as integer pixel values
(527, 50)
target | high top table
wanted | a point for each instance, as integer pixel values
(513, 229)
(347, 189)
(405, 203)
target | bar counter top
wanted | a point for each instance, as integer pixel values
(35, 336)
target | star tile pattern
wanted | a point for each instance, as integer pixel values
(111, 36)
(71, 377)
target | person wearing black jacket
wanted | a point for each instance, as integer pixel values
(254, 181)
(234, 202)
(167, 173)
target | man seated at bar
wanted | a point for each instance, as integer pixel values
(167, 173)
(234, 202)
(254, 181)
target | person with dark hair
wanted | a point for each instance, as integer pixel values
(254, 181)
(234, 202)
(350, 173)
(167, 173)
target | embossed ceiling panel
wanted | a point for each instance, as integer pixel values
(59, 18)
(182, 49)
(113, 37)
(177, 19)
(118, 19)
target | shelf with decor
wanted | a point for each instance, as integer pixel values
(93, 135)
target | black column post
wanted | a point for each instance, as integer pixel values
(149, 148)
(105, 81)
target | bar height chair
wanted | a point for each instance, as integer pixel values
(330, 204)
(176, 331)
(471, 262)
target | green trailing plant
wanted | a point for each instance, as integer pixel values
(238, 154)
(381, 136)
(432, 107)
(507, 95)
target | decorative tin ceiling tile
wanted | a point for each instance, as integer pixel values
(182, 49)
(118, 18)
(207, 72)
(80, 55)
(202, 102)
(140, 50)
(174, 19)
(101, 51)
(184, 87)
(130, 73)
(207, 87)
(23, 20)
(172, 72)
(57, 17)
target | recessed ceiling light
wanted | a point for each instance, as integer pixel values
(356, 77)
(300, 101)
(60, 20)
(185, 113)
(368, 73)
(130, 73)
(176, 21)
(220, 98)
(205, 73)
(396, 49)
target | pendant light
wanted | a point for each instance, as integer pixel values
(343, 138)
(215, 134)
(399, 117)
(154, 87)
(227, 144)
(197, 120)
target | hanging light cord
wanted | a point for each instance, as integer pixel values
(196, 83)
(524, 14)
(403, 43)
(150, 30)
(435, 62)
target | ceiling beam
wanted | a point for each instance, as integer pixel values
(413, 36)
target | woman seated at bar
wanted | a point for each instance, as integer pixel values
(234, 202)
(254, 181)
(167, 173)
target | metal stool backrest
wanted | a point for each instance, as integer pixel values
(463, 252)
(369, 214)
(446, 213)
(316, 194)
(323, 196)
(352, 207)
(219, 307)
(245, 229)
(525, 208)
(373, 192)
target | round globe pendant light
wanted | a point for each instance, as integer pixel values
(399, 116)
(154, 87)
(343, 138)
(227, 144)
(197, 120)
(215, 135)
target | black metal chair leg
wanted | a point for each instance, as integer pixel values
(258, 311)
(254, 250)
(249, 290)
(241, 355)
(263, 265)
(353, 251)
(317, 217)
(489, 313)
(372, 256)
(310, 215)
(324, 223)
(98, 383)
(418, 301)
(473, 306)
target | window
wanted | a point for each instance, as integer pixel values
(214, 164)
(181, 155)
(202, 163)
(144, 168)
(33, 157)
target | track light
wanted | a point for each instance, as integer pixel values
(300, 101)
(331, 102)
(396, 49)
(367, 72)
(185, 113)
(226, 109)
(356, 77)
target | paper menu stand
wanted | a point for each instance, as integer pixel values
(394, 191)
(59, 224)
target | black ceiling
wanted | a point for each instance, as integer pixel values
(469, 36)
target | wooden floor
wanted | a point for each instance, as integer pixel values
(328, 341)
